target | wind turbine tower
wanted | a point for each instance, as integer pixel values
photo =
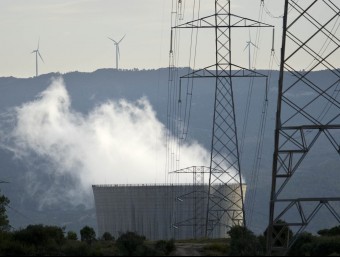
(37, 52)
(249, 44)
(117, 49)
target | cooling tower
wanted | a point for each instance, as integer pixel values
(155, 211)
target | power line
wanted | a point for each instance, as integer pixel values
(188, 101)
(252, 185)
(21, 214)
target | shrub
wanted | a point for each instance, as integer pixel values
(335, 231)
(107, 237)
(15, 248)
(71, 235)
(39, 235)
(243, 242)
(87, 234)
(303, 245)
(76, 248)
(325, 246)
(164, 247)
(217, 247)
(39, 240)
(170, 246)
(131, 244)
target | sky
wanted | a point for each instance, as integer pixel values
(73, 33)
(73, 36)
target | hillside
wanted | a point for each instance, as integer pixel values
(87, 91)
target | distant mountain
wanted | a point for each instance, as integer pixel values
(88, 90)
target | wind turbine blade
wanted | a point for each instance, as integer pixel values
(253, 44)
(41, 57)
(112, 40)
(33, 51)
(38, 44)
(121, 39)
(246, 46)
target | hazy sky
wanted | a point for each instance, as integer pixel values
(73, 33)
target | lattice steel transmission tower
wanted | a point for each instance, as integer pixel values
(225, 164)
(197, 197)
(310, 42)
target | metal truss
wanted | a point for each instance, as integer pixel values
(301, 122)
(225, 168)
(197, 197)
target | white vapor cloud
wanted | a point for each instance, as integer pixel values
(118, 142)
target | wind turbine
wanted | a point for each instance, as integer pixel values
(249, 44)
(36, 58)
(117, 49)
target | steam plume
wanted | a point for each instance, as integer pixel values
(117, 142)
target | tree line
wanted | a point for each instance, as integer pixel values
(40, 240)
(326, 242)
(53, 240)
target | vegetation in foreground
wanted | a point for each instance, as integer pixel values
(40, 240)
(52, 240)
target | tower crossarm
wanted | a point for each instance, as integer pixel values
(236, 72)
(210, 22)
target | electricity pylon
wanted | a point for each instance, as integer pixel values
(196, 197)
(305, 121)
(225, 207)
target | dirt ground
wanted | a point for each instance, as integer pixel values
(200, 249)
(189, 249)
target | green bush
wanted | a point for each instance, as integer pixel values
(325, 246)
(76, 248)
(87, 234)
(107, 237)
(15, 248)
(131, 244)
(335, 231)
(217, 247)
(243, 242)
(170, 246)
(43, 239)
(39, 234)
(71, 235)
(164, 247)
(303, 245)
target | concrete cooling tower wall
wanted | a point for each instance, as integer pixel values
(155, 211)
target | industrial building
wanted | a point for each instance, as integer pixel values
(156, 211)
